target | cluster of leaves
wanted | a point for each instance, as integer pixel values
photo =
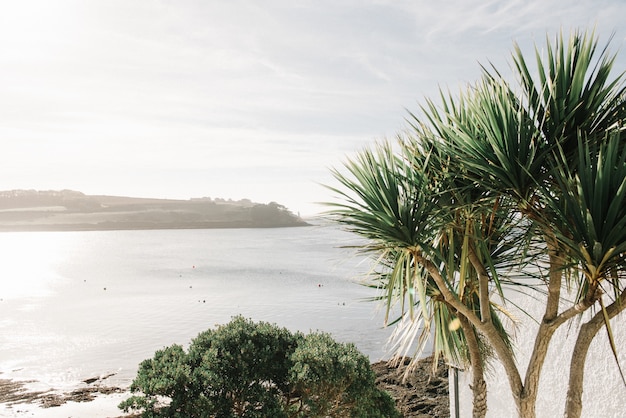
(504, 187)
(248, 369)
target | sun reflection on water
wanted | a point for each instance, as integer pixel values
(28, 263)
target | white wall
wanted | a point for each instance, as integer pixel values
(604, 393)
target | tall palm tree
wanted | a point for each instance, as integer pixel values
(534, 156)
(410, 212)
(591, 215)
(481, 181)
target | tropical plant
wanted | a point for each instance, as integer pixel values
(494, 184)
(248, 369)
(423, 224)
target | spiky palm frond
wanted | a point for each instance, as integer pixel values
(402, 202)
(509, 157)
(494, 140)
(382, 199)
(386, 201)
(591, 208)
(573, 91)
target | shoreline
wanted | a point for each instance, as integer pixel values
(420, 394)
(137, 226)
(90, 398)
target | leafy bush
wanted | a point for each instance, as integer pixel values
(247, 369)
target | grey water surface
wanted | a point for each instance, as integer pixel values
(74, 305)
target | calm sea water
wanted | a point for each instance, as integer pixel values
(80, 304)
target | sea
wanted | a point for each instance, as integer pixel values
(79, 305)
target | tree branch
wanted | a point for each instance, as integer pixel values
(491, 333)
(483, 285)
(479, 386)
(586, 334)
(557, 263)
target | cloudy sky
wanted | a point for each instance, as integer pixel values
(240, 98)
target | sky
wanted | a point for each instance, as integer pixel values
(241, 98)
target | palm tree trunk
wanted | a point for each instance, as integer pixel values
(557, 261)
(487, 329)
(551, 321)
(483, 285)
(479, 386)
(546, 330)
(586, 334)
(574, 402)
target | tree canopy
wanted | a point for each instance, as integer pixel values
(503, 187)
(257, 369)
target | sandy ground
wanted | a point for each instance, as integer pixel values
(103, 406)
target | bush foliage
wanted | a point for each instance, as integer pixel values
(248, 369)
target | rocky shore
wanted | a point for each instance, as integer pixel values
(420, 395)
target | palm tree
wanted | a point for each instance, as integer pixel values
(415, 226)
(591, 223)
(487, 183)
(534, 152)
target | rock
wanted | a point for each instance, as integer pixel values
(420, 394)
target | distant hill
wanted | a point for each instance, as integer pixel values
(68, 210)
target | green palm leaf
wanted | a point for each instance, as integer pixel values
(591, 206)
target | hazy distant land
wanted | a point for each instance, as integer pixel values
(68, 210)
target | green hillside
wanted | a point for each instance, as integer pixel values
(67, 210)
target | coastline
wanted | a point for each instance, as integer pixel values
(66, 210)
(141, 226)
(29, 398)
(420, 394)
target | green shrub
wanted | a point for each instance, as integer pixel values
(335, 379)
(247, 369)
